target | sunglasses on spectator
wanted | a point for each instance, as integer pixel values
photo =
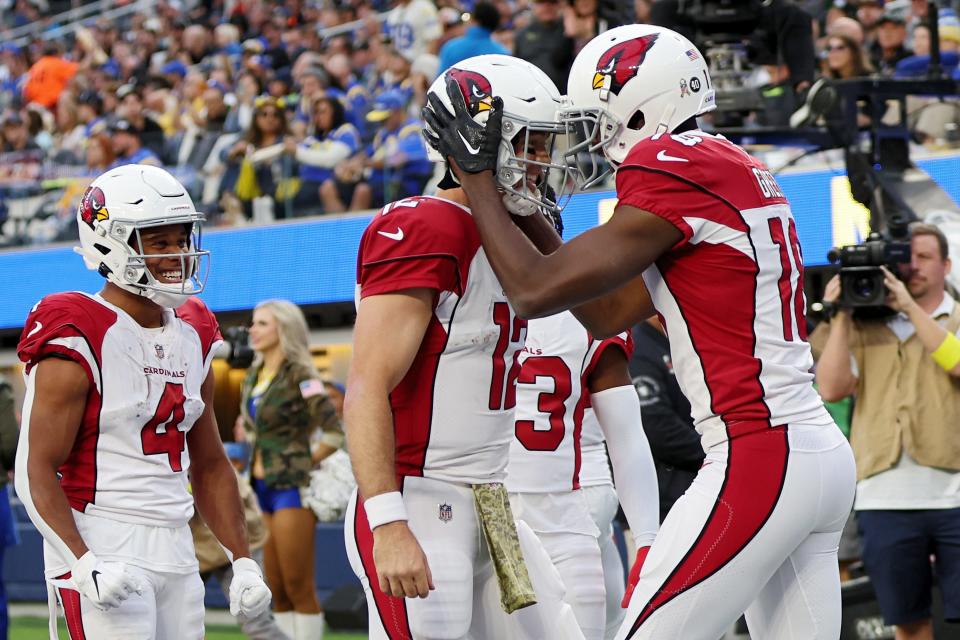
(270, 114)
(837, 47)
(269, 101)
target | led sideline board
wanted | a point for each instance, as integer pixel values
(314, 261)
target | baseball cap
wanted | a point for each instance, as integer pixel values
(12, 118)
(891, 17)
(9, 47)
(386, 102)
(174, 66)
(122, 124)
(90, 97)
(124, 90)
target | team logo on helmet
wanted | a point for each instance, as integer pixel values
(475, 88)
(93, 206)
(620, 63)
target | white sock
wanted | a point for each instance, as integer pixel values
(285, 620)
(308, 626)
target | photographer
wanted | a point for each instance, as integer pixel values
(904, 372)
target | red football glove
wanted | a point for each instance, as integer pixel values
(634, 576)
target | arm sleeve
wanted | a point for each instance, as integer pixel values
(267, 154)
(325, 154)
(618, 412)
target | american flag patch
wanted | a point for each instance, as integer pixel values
(310, 388)
(692, 54)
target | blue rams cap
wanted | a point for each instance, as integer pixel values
(175, 66)
(390, 100)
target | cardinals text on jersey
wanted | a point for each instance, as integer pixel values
(452, 409)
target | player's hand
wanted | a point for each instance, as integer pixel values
(104, 584)
(249, 594)
(898, 296)
(634, 576)
(473, 147)
(402, 566)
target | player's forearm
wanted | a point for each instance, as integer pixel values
(618, 412)
(46, 504)
(834, 373)
(370, 439)
(217, 498)
(540, 232)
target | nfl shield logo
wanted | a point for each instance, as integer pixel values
(446, 513)
(159, 349)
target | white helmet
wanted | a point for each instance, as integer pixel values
(531, 103)
(116, 207)
(632, 82)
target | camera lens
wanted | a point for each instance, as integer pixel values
(864, 287)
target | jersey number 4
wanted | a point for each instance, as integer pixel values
(170, 440)
(551, 403)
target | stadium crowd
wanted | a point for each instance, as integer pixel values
(282, 109)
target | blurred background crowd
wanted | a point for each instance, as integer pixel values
(280, 109)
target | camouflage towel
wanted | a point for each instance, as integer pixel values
(493, 509)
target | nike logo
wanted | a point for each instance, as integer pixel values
(470, 148)
(663, 157)
(97, 586)
(396, 235)
(36, 328)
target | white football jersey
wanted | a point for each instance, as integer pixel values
(130, 459)
(453, 411)
(546, 453)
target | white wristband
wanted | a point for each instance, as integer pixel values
(384, 508)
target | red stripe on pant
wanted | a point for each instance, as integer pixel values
(756, 468)
(70, 600)
(392, 610)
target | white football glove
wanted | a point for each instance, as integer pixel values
(104, 584)
(249, 594)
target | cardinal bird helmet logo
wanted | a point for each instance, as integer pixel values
(475, 88)
(620, 63)
(93, 206)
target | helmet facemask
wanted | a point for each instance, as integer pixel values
(118, 255)
(194, 266)
(532, 171)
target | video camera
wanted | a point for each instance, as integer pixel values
(240, 355)
(735, 37)
(861, 280)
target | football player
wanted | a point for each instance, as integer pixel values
(562, 373)
(118, 421)
(430, 396)
(703, 236)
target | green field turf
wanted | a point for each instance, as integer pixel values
(36, 629)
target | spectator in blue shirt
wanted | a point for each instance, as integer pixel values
(398, 162)
(126, 144)
(477, 40)
(334, 140)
